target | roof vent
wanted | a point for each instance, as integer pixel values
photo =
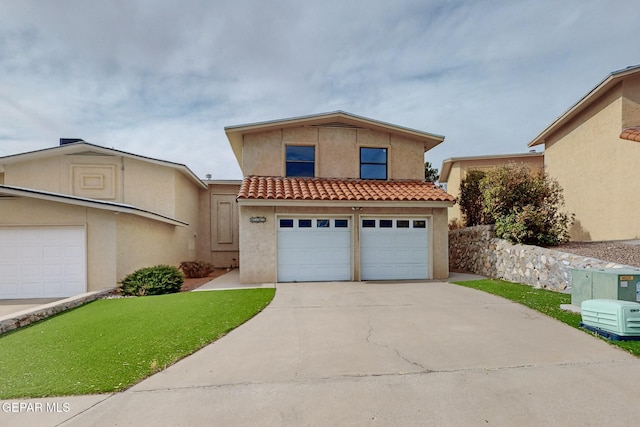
(65, 141)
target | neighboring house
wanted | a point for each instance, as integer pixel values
(79, 217)
(455, 169)
(593, 151)
(338, 197)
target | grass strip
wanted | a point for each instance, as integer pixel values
(542, 300)
(109, 345)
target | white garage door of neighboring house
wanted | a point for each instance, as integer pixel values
(314, 249)
(393, 248)
(42, 262)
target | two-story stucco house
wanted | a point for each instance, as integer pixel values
(326, 197)
(592, 150)
(338, 197)
(79, 217)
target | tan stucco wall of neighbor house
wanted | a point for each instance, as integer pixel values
(152, 187)
(337, 151)
(453, 187)
(631, 102)
(218, 234)
(100, 231)
(459, 169)
(144, 242)
(259, 261)
(597, 169)
(114, 178)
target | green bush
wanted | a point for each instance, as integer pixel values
(470, 199)
(196, 268)
(158, 280)
(525, 205)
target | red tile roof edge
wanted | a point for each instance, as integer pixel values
(631, 133)
(336, 189)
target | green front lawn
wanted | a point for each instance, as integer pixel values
(109, 345)
(542, 300)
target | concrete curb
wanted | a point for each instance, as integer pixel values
(26, 317)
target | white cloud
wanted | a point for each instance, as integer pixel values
(163, 78)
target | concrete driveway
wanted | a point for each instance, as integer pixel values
(10, 307)
(382, 355)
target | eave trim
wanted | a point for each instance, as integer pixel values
(91, 203)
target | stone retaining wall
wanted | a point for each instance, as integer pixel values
(26, 318)
(477, 250)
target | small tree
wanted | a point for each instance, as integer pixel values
(430, 173)
(525, 205)
(470, 199)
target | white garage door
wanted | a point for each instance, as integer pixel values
(314, 249)
(392, 249)
(42, 262)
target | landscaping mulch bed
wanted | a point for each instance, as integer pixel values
(618, 252)
(193, 283)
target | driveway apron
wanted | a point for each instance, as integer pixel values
(427, 353)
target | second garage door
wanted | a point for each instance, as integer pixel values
(42, 262)
(314, 249)
(393, 249)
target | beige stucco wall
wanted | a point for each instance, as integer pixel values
(597, 169)
(100, 231)
(258, 241)
(122, 179)
(460, 168)
(440, 252)
(453, 188)
(144, 242)
(151, 187)
(631, 102)
(337, 151)
(257, 245)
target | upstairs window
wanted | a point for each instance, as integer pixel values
(300, 160)
(373, 163)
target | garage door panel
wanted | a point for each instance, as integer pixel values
(42, 262)
(53, 270)
(33, 290)
(393, 253)
(314, 253)
(6, 253)
(30, 252)
(9, 291)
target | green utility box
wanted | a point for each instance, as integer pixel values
(608, 283)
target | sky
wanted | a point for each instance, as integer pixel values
(163, 78)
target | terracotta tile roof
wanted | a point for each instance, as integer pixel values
(632, 134)
(280, 188)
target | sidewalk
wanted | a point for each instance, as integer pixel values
(230, 280)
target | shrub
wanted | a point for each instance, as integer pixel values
(196, 268)
(455, 224)
(470, 199)
(525, 205)
(158, 280)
